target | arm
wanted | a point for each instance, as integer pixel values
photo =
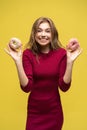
(22, 62)
(21, 74)
(73, 51)
(63, 85)
(68, 72)
(17, 57)
(66, 65)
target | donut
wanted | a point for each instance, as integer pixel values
(73, 45)
(15, 43)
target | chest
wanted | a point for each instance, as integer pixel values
(46, 67)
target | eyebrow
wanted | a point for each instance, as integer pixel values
(41, 28)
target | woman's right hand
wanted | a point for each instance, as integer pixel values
(17, 57)
(15, 54)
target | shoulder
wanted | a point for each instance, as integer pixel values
(28, 52)
(61, 52)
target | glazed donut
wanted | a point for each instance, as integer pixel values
(15, 43)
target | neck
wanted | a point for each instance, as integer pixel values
(45, 49)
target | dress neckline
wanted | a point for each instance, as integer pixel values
(46, 54)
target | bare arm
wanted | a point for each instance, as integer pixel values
(73, 51)
(17, 57)
(21, 74)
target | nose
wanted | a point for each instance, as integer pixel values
(43, 33)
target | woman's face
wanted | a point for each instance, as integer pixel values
(43, 34)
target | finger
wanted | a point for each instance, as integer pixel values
(20, 50)
(9, 48)
(80, 51)
(78, 55)
(6, 51)
(75, 47)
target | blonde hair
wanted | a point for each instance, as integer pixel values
(55, 43)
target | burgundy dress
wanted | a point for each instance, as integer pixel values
(45, 74)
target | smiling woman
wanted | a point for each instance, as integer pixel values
(43, 79)
(43, 34)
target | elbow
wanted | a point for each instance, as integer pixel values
(28, 87)
(64, 86)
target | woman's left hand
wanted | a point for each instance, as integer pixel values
(73, 50)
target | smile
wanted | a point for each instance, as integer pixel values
(43, 39)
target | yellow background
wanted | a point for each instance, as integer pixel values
(16, 19)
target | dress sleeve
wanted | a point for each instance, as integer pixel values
(27, 65)
(62, 67)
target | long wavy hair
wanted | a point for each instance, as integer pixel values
(33, 45)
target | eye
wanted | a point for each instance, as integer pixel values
(39, 30)
(48, 31)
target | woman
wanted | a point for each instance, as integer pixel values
(43, 69)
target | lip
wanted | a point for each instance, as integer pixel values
(43, 39)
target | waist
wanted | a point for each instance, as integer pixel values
(45, 104)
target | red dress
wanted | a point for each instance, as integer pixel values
(45, 74)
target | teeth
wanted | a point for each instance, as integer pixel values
(45, 38)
